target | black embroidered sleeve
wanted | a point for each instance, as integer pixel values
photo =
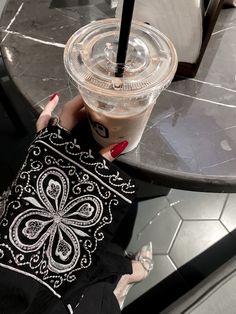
(65, 203)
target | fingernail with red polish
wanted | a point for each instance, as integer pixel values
(53, 96)
(118, 149)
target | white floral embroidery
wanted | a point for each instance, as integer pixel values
(3, 199)
(55, 219)
(100, 169)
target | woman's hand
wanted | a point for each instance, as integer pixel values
(71, 114)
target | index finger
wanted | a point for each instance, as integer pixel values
(46, 114)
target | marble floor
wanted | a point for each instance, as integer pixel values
(192, 233)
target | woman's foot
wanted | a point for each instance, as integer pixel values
(141, 267)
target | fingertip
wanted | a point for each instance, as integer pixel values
(51, 105)
(46, 114)
(54, 100)
(113, 151)
(55, 95)
(106, 152)
(118, 148)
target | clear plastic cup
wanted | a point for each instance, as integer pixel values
(119, 107)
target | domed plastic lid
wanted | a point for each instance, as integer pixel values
(90, 59)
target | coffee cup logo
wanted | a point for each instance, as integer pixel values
(100, 129)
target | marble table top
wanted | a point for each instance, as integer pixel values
(190, 139)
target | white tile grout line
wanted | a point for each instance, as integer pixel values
(36, 39)
(222, 30)
(212, 84)
(7, 31)
(63, 46)
(202, 99)
(12, 21)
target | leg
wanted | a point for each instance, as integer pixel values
(125, 230)
(142, 264)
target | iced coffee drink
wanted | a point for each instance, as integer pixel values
(119, 107)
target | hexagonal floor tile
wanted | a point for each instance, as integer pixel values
(197, 205)
(228, 217)
(193, 238)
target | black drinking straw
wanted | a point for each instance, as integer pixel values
(126, 19)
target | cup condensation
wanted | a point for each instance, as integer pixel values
(119, 107)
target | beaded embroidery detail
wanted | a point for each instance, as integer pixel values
(59, 204)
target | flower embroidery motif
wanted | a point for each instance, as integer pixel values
(57, 221)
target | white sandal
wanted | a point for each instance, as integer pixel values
(144, 256)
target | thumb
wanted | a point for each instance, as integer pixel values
(112, 151)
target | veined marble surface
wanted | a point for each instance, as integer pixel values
(190, 139)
